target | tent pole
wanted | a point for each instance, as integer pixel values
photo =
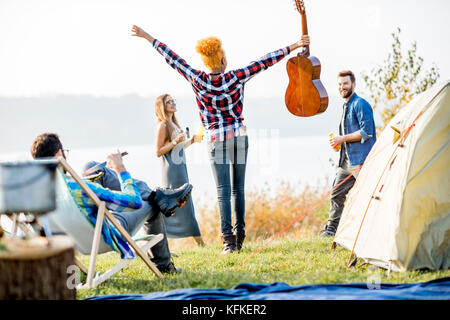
(333, 246)
(352, 263)
(389, 268)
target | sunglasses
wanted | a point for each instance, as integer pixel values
(172, 102)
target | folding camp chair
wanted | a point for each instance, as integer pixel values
(68, 218)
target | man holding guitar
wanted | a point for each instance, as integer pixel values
(356, 137)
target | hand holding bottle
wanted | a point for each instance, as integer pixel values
(334, 142)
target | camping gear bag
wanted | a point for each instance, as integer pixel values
(28, 186)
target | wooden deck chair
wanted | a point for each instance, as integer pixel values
(68, 218)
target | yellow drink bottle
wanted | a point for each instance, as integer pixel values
(331, 135)
(199, 135)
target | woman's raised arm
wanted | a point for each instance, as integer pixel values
(139, 32)
(175, 61)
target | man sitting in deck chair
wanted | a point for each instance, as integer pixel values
(126, 204)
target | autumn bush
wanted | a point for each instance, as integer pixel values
(279, 210)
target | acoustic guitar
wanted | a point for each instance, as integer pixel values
(305, 95)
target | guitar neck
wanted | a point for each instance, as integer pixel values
(305, 31)
(304, 25)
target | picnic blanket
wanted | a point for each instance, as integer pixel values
(433, 290)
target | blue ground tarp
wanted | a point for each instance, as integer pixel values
(434, 290)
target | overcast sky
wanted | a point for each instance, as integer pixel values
(52, 47)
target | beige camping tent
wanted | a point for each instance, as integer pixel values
(398, 212)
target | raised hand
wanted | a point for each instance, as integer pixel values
(304, 41)
(138, 32)
(114, 162)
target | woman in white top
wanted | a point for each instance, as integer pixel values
(170, 145)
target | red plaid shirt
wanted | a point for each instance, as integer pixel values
(220, 101)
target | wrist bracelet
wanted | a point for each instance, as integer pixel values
(174, 142)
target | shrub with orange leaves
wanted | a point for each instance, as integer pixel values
(269, 211)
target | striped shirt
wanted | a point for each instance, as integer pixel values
(127, 199)
(220, 100)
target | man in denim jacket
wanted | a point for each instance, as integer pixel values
(356, 137)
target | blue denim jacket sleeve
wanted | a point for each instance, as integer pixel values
(364, 113)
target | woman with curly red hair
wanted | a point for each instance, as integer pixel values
(220, 96)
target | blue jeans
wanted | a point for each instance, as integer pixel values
(110, 180)
(146, 216)
(223, 156)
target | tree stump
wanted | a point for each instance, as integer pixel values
(36, 269)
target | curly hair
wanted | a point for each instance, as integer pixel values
(46, 145)
(211, 52)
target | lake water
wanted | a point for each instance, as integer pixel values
(305, 160)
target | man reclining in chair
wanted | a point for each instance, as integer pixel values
(124, 198)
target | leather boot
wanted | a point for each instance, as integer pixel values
(170, 269)
(168, 200)
(239, 241)
(328, 231)
(229, 243)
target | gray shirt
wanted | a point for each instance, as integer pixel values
(343, 158)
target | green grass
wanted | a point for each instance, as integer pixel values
(292, 261)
